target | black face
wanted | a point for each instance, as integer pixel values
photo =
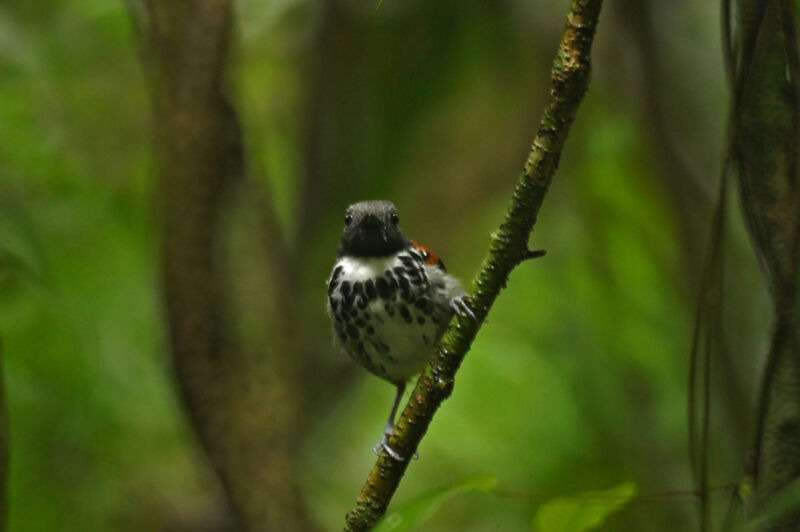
(371, 230)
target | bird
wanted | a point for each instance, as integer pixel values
(390, 300)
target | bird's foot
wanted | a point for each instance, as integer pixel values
(459, 305)
(383, 449)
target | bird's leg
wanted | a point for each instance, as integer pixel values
(384, 443)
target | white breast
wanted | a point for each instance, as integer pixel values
(388, 313)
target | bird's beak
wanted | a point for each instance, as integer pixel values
(372, 220)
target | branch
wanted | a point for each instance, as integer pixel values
(508, 247)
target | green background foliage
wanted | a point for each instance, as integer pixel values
(576, 383)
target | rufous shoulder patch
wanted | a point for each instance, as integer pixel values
(429, 256)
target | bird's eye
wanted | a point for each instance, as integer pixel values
(348, 219)
(395, 219)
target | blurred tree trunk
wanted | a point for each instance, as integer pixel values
(689, 194)
(764, 149)
(244, 401)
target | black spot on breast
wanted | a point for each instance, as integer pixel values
(408, 262)
(424, 304)
(408, 296)
(360, 322)
(358, 294)
(370, 329)
(382, 347)
(405, 313)
(369, 289)
(332, 282)
(399, 271)
(403, 283)
(345, 316)
(420, 320)
(435, 318)
(383, 288)
(389, 310)
(362, 353)
(347, 295)
(352, 331)
(334, 303)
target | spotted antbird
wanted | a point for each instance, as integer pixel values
(390, 299)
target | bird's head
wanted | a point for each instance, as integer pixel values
(371, 229)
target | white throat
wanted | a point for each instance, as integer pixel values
(360, 269)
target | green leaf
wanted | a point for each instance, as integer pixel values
(583, 512)
(420, 510)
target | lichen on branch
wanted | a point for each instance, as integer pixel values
(508, 247)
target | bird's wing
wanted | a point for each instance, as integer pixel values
(429, 256)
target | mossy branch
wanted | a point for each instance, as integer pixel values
(507, 249)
